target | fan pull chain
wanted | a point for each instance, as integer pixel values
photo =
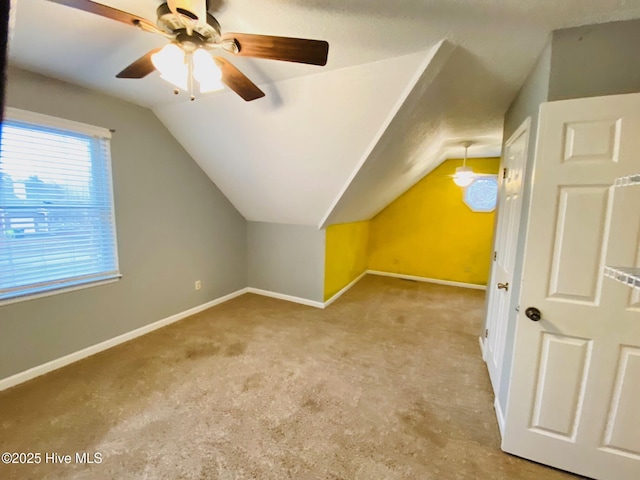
(192, 97)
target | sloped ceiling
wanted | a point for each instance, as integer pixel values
(312, 151)
(288, 162)
(459, 100)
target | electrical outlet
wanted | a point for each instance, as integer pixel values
(198, 285)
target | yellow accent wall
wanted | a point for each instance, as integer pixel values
(430, 232)
(345, 255)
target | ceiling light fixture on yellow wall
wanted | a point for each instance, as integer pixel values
(464, 175)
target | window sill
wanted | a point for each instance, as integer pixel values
(57, 291)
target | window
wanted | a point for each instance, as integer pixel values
(57, 228)
(481, 195)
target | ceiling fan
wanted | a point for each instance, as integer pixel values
(193, 31)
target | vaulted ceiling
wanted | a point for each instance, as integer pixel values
(406, 81)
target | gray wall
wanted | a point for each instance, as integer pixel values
(287, 259)
(595, 60)
(526, 104)
(174, 227)
(534, 91)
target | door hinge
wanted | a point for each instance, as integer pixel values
(495, 256)
(486, 333)
(504, 172)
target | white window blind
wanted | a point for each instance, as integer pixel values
(57, 227)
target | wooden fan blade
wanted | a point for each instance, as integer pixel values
(300, 50)
(238, 81)
(140, 68)
(108, 12)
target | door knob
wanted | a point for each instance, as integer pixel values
(503, 286)
(533, 313)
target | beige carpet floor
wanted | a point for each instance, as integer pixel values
(387, 383)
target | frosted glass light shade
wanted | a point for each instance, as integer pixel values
(463, 176)
(206, 72)
(170, 62)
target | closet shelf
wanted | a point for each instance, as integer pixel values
(628, 180)
(628, 276)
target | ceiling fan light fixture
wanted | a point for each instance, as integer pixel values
(464, 175)
(206, 72)
(190, 27)
(170, 62)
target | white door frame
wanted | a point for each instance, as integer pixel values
(506, 230)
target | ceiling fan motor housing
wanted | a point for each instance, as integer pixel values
(173, 23)
(193, 9)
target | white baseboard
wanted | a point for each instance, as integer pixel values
(499, 416)
(341, 292)
(38, 370)
(481, 340)
(428, 280)
(288, 298)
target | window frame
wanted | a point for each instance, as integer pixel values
(477, 178)
(73, 127)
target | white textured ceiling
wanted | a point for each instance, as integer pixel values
(291, 156)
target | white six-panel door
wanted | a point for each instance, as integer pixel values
(574, 397)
